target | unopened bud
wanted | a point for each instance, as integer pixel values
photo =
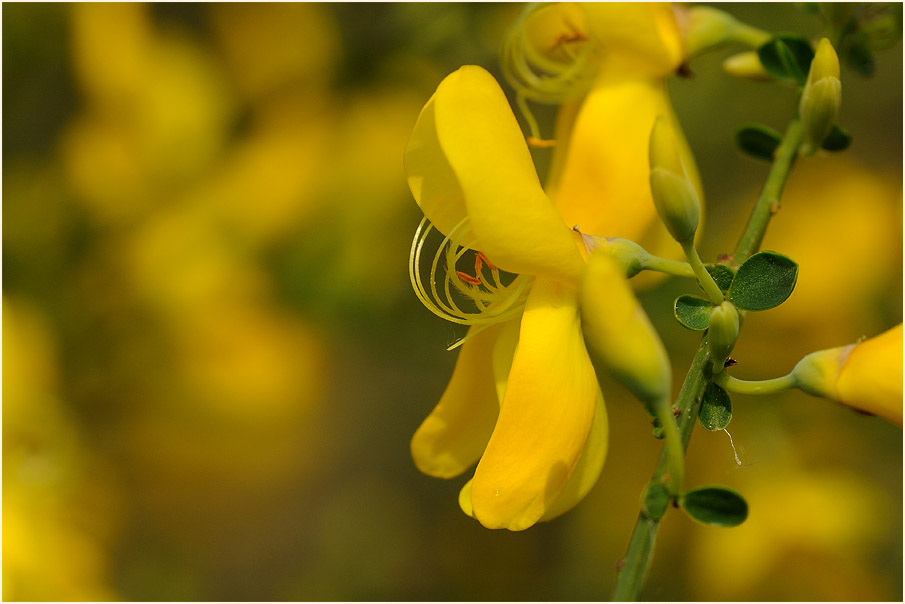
(722, 334)
(821, 98)
(866, 376)
(746, 65)
(674, 196)
(704, 28)
(620, 338)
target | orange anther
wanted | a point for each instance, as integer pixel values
(576, 36)
(468, 278)
(539, 143)
(483, 258)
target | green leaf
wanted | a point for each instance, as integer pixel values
(655, 500)
(856, 54)
(722, 274)
(715, 506)
(764, 281)
(758, 141)
(693, 312)
(716, 408)
(808, 8)
(787, 57)
(837, 140)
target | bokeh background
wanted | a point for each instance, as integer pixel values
(213, 360)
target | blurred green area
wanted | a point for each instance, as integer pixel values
(213, 360)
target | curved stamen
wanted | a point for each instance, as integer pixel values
(492, 301)
(535, 74)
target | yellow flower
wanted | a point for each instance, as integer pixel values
(533, 414)
(523, 400)
(866, 376)
(599, 172)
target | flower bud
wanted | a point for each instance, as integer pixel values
(704, 28)
(821, 98)
(620, 338)
(722, 334)
(866, 376)
(674, 195)
(746, 65)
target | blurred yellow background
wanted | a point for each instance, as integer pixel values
(213, 360)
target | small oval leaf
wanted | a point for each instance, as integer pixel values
(716, 408)
(764, 281)
(714, 506)
(758, 141)
(693, 312)
(837, 140)
(722, 274)
(857, 55)
(787, 57)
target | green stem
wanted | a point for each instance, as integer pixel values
(670, 267)
(634, 564)
(773, 386)
(768, 202)
(673, 450)
(705, 280)
(637, 558)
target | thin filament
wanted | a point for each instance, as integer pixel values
(492, 300)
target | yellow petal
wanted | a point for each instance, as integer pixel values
(600, 178)
(871, 377)
(512, 220)
(583, 477)
(454, 435)
(503, 353)
(545, 417)
(586, 473)
(646, 34)
(430, 177)
(465, 499)
(825, 63)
